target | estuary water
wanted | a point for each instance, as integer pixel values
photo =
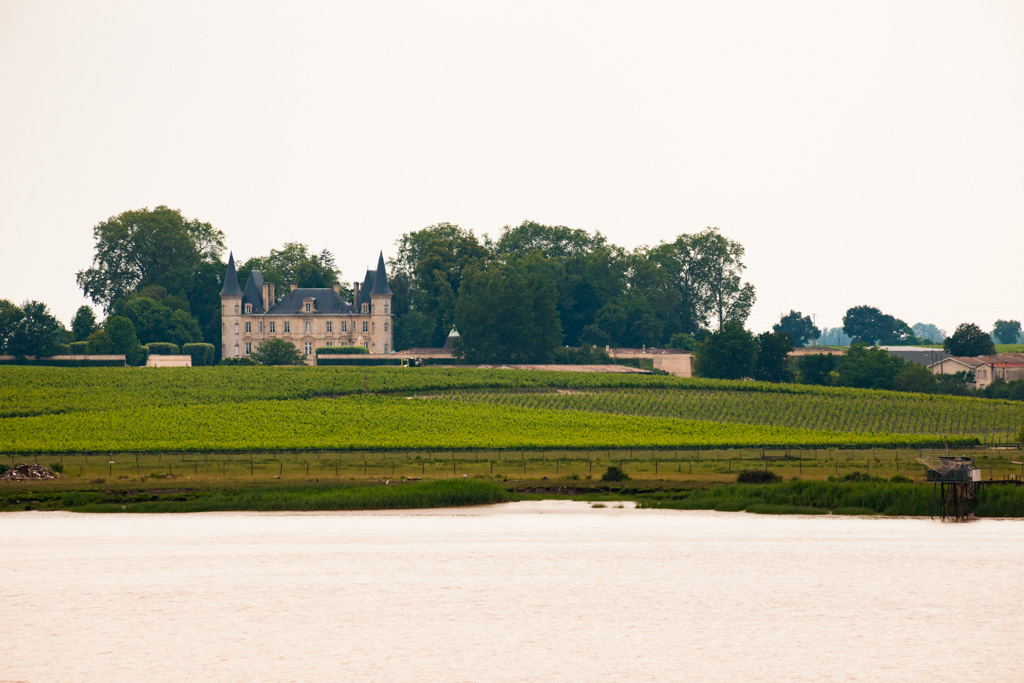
(525, 591)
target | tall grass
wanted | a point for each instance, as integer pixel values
(432, 494)
(802, 497)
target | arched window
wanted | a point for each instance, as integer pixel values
(236, 309)
(385, 327)
(236, 330)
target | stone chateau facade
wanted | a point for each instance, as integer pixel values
(307, 317)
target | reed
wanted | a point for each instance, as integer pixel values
(432, 494)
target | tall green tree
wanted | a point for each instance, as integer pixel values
(84, 323)
(728, 353)
(592, 271)
(159, 247)
(869, 325)
(969, 340)
(158, 320)
(9, 315)
(123, 339)
(35, 332)
(869, 368)
(800, 328)
(1007, 331)
(508, 312)
(773, 357)
(926, 332)
(426, 278)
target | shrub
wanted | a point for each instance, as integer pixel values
(614, 473)
(79, 348)
(63, 350)
(163, 349)
(581, 355)
(236, 361)
(900, 479)
(277, 352)
(202, 354)
(341, 349)
(99, 343)
(758, 477)
(56, 467)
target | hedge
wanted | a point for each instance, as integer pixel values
(237, 361)
(79, 348)
(341, 349)
(359, 361)
(64, 363)
(202, 354)
(163, 349)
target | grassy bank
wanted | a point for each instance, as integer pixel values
(841, 498)
(432, 494)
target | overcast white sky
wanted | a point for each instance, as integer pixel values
(862, 152)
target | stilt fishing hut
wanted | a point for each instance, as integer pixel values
(955, 482)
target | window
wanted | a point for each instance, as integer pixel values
(309, 327)
(248, 348)
(248, 327)
(385, 327)
(374, 327)
(287, 326)
(344, 326)
(248, 308)
(366, 326)
(330, 343)
(272, 326)
(385, 348)
(236, 350)
(261, 326)
(366, 308)
(308, 348)
(330, 326)
(385, 309)
(365, 346)
(236, 328)
(307, 308)
(236, 313)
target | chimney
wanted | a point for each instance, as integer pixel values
(355, 294)
(337, 288)
(267, 296)
(293, 287)
(272, 298)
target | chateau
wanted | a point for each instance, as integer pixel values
(307, 317)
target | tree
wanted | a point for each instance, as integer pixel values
(123, 339)
(84, 323)
(159, 321)
(869, 368)
(277, 352)
(99, 343)
(706, 270)
(773, 357)
(729, 353)
(969, 340)
(871, 326)
(1007, 331)
(800, 328)
(508, 313)
(158, 247)
(915, 377)
(426, 278)
(35, 332)
(817, 368)
(9, 315)
(926, 332)
(294, 264)
(142, 247)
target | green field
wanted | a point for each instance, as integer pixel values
(243, 409)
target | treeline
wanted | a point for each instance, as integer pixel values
(537, 288)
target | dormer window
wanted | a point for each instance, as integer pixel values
(366, 308)
(309, 307)
(248, 308)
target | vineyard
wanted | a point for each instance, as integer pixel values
(222, 409)
(871, 413)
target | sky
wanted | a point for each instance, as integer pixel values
(867, 153)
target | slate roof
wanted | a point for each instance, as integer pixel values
(365, 289)
(231, 287)
(328, 302)
(380, 281)
(254, 292)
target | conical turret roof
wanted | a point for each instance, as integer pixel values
(231, 287)
(380, 281)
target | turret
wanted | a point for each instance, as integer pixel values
(380, 307)
(231, 312)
